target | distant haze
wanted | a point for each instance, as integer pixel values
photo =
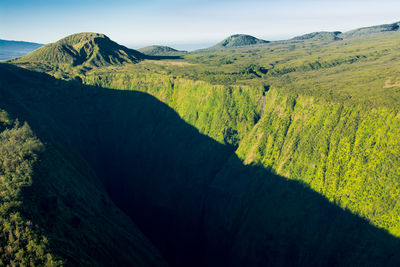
(187, 24)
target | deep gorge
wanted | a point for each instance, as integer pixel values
(193, 198)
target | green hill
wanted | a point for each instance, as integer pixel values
(158, 50)
(13, 49)
(238, 40)
(83, 49)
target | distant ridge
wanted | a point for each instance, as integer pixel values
(12, 49)
(242, 40)
(393, 27)
(159, 50)
(319, 36)
(84, 49)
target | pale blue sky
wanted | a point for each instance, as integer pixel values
(186, 24)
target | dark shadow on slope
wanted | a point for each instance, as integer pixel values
(163, 57)
(67, 199)
(191, 196)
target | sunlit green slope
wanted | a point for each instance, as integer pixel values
(348, 153)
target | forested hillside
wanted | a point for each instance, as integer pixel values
(226, 114)
(348, 153)
(21, 242)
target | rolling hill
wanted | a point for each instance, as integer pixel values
(238, 40)
(158, 50)
(14, 49)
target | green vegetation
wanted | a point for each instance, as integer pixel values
(348, 153)
(21, 243)
(296, 162)
(226, 114)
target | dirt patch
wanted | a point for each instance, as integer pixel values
(389, 84)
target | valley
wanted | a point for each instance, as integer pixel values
(250, 153)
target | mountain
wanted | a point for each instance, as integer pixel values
(158, 50)
(393, 27)
(238, 40)
(84, 50)
(319, 36)
(13, 49)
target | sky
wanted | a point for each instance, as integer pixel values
(187, 24)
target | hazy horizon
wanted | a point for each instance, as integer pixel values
(189, 24)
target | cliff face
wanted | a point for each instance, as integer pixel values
(344, 151)
(348, 153)
(225, 114)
